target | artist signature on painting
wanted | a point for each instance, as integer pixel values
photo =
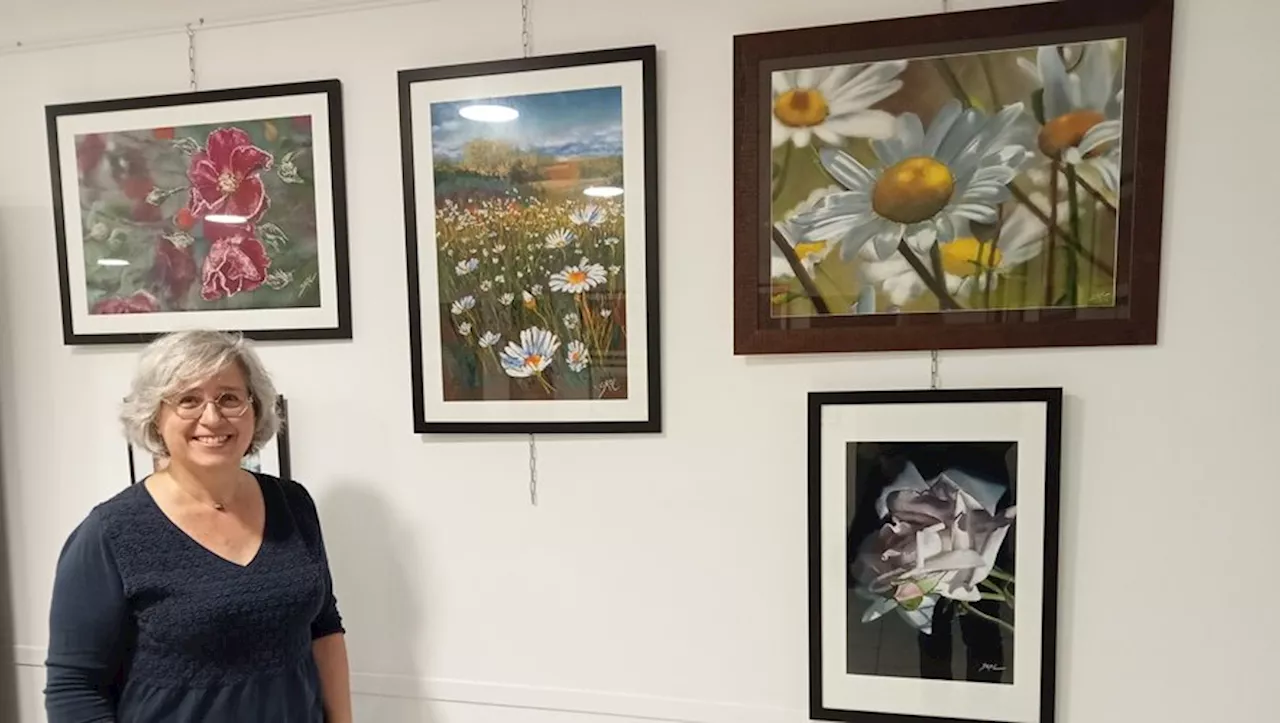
(991, 668)
(606, 386)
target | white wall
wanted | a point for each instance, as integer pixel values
(664, 577)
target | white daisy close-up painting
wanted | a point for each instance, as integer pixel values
(990, 179)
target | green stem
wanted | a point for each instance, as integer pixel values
(810, 288)
(1073, 261)
(953, 82)
(994, 596)
(1066, 237)
(778, 182)
(935, 285)
(964, 604)
(1001, 575)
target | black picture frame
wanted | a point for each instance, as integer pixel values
(926, 418)
(151, 302)
(277, 448)
(498, 407)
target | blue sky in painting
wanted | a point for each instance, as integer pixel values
(567, 124)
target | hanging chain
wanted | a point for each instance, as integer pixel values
(946, 6)
(191, 55)
(533, 470)
(526, 44)
(933, 369)
(526, 41)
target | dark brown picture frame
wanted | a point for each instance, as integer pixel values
(1145, 25)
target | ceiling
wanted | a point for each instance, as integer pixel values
(41, 23)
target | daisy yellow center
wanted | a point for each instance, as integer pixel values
(1067, 131)
(801, 108)
(969, 256)
(810, 248)
(533, 360)
(913, 190)
(577, 278)
(228, 182)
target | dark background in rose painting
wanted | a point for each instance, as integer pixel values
(119, 170)
(889, 646)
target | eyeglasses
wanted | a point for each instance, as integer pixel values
(228, 404)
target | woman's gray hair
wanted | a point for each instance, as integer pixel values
(175, 363)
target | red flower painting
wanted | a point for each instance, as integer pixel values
(140, 302)
(225, 176)
(237, 262)
(203, 218)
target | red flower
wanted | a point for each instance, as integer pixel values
(139, 303)
(89, 152)
(237, 262)
(224, 176)
(173, 268)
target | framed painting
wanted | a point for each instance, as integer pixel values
(982, 179)
(220, 209)
(531, 214)
(933, 548)
(272, 459)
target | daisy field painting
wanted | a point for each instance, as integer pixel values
(531, 241)
(991, 178)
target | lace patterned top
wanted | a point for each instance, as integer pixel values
(147, 625)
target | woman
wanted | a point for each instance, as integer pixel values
(202, 594)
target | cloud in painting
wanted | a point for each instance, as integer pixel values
(569, 124)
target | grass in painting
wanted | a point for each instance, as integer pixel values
(983, 181)
(199, 218)
(530, 248)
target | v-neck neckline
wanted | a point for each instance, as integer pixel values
(266, 524)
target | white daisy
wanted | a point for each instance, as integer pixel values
(1082, 109)
(577, 279)
(465, 267)
(534, 353)
(489, 338)
(507, 298)
(559, 238)
(463, 305)
(577, 356)
(589, 215)
(929, 181)
(464, 328)
(966, 262)
(571, 321)
(809, 252)
(833, 103)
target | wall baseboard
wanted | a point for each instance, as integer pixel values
(511, 695)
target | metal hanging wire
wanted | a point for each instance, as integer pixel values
(526, 46)
(191, 55)
(934, 382)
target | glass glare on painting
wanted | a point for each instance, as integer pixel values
(978, 181)
(530, 246)
(931, 577)
(199, 218)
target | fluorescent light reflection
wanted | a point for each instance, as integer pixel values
(488, 113)
(225, 218)
(603, 191)
(113, 262)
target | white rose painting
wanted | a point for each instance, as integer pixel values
(930, 570)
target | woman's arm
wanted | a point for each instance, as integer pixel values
(88, 621)
(335, 677)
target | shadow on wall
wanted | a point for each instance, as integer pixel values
(8, 671)
(376, 581)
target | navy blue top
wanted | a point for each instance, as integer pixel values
(147, 625)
